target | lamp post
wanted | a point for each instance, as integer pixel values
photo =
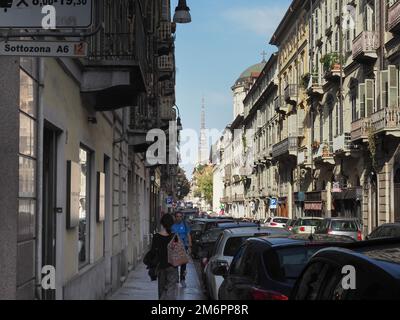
(182, 14)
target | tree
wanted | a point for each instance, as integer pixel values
(204, 181)
(183, 184)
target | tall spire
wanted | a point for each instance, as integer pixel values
(203, 145)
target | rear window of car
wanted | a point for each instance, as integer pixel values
(344, 225)
(232, 245)
(280, 220)
(285, 264)
(309, 222)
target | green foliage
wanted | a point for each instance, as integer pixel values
(372, 146)
(330, 59)
(305, 80)
(183, 184)
(204, 179)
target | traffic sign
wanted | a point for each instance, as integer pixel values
(27, 14)
(43, 48)
(273, 204)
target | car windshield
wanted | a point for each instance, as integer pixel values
(280, 220)
(309, 222)
(344, 225)
(285, 264)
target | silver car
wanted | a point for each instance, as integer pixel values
(350, 227)
(226, 247)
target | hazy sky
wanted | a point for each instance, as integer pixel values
(223, 39)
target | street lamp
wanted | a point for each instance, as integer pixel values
(182, 14)
(178, 120)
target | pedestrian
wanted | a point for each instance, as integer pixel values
(183, 230)
(166, 273)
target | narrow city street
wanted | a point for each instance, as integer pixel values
(139, 287)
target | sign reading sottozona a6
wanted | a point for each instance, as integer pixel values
(26, 14)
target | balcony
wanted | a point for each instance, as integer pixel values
(359, 130)
(289, 146)
(167, 112)
(280, 105)
(324, 154)
(314, 85)
(394, 17)
(303, 158)
(387, 120)
(238, 198)
(165, 38)
(291, 93)
(342, 143)
(115, 71)
(364, 47)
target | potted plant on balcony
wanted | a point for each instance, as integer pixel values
(332, 61)
(305, 80)
(315, 146)
(325, 150)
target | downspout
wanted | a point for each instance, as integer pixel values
(39, 183)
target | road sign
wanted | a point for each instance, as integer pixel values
(26, 14)
(273, 204)
(43, 48)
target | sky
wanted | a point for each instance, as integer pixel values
(224, 38)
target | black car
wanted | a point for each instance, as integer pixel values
(267, 268)
(374, 266)
(198, 228)
(388, 230)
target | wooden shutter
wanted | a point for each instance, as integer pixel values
(393, 87)
(369, 97)
(361, 90)
(384, 89)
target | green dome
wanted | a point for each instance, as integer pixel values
(257, 68)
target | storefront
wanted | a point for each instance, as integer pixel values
(299, 198)
(314, 204)
(282, 210)
(347, 203)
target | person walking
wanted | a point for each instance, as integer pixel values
(183, 230)
(167, 274)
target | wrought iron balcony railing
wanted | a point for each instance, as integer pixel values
(287, 146)
(359, 129)
(365, 45)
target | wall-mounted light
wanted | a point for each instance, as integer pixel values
(182, 14)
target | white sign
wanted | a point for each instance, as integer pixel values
(43, 48)
(27, 14)
(273, 203)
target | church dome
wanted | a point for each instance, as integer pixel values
(250, 72)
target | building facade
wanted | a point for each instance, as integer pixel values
(77, 193)
(323, 115)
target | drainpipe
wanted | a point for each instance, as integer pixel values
(39, 183)
(382, 20)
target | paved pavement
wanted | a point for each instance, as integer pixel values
(138, 286)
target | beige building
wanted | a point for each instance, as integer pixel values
(328, 144)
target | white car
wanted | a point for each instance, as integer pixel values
(276, 222)
(226, 247)
(306, 225)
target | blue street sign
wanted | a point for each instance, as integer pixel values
(169, 200)
(273, 203)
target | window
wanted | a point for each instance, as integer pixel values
(84, 207)
(232, 245)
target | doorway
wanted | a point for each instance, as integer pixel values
(50, 136)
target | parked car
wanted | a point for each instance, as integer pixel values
(388, 230)
(275, 222)
(341, 226)
(376, 265)
(306, 225)
(210, 237)
(267, 268)
(290, 223)
(226, 247)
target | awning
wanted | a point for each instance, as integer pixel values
(348, 194)
(313, 206)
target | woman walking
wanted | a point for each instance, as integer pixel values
(167, 274)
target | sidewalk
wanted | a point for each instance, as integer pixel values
(139, 287)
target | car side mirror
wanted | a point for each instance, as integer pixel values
(220, 270)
